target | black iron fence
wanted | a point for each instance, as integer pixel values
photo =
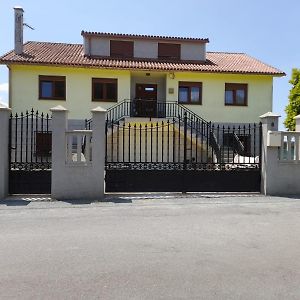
(30, 139)
(181, 143)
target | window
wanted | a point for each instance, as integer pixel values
(104, 89)
(52, 87)
(236, 94)
(121, 49)
(168, 51)
(43, 143)
(190, 92)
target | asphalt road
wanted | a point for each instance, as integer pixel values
(140, 247)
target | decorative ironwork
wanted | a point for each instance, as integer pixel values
(178, 166)
(180, 141)
(30, 141)
(30, 152)
(181, 148)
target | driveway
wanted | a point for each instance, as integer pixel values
(199, 246)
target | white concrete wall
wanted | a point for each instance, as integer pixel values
(280, 173)
(72, 180)
(193, 51)
(148, 49)
(4, 141)
(100, 46)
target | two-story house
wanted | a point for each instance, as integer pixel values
(108, 68)
(201, 103)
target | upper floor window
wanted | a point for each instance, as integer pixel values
(52, 87)
(104, 89)
(190, 92)
(168, 51)
(236, 94)
(121, 49)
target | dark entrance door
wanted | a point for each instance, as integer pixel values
(146, 100)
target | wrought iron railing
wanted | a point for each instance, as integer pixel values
(197, 127)
(170, 144)
(30, 139)
(149, 108)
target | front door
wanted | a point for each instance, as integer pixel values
(146, 100)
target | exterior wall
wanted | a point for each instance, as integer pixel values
(154, 78)
(193, 51)
(24, 91)
(280, 159)
(25, 94)
(100, 47)
(85, 177)
(4, 153)
(260, 93)
(144, 49)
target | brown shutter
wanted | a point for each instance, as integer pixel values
(166, 50)
(121, 49)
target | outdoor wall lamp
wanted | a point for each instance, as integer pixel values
(171, 75)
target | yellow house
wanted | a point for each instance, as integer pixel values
(179, 118)
(143, 69)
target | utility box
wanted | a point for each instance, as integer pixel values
(274, 139)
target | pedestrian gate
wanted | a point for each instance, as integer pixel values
(30, 153)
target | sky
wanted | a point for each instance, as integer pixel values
(265, 29)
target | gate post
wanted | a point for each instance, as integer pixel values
(297, 120)
(99, 145)
(59, 127)
(269, 122)
(4, 150)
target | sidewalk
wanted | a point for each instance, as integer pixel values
(145, 199)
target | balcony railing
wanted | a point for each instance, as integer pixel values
(150, 109)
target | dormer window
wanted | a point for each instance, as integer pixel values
(168, 51)
(122, 49)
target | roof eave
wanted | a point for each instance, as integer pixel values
(8, 63)
(143, 37)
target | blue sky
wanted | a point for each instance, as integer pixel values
(265, 29)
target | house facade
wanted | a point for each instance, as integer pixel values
(107, 69)
(178, 118)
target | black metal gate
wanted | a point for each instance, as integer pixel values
(30, 153)
(182, 154)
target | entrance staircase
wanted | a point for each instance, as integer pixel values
(197, 130)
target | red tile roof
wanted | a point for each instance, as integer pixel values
(143, 36)
(59, 54)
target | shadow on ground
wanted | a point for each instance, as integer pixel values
(14, 202)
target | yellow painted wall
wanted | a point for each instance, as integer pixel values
(260, 94)
(25, 89)
(24, 92)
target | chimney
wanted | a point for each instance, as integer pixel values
(18, 29)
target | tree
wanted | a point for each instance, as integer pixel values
(293, 107)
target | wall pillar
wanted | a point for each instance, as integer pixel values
(297, 119)
(77, 175)
(4, 151)
(269, 154)
(59, 127)
(98, 149)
